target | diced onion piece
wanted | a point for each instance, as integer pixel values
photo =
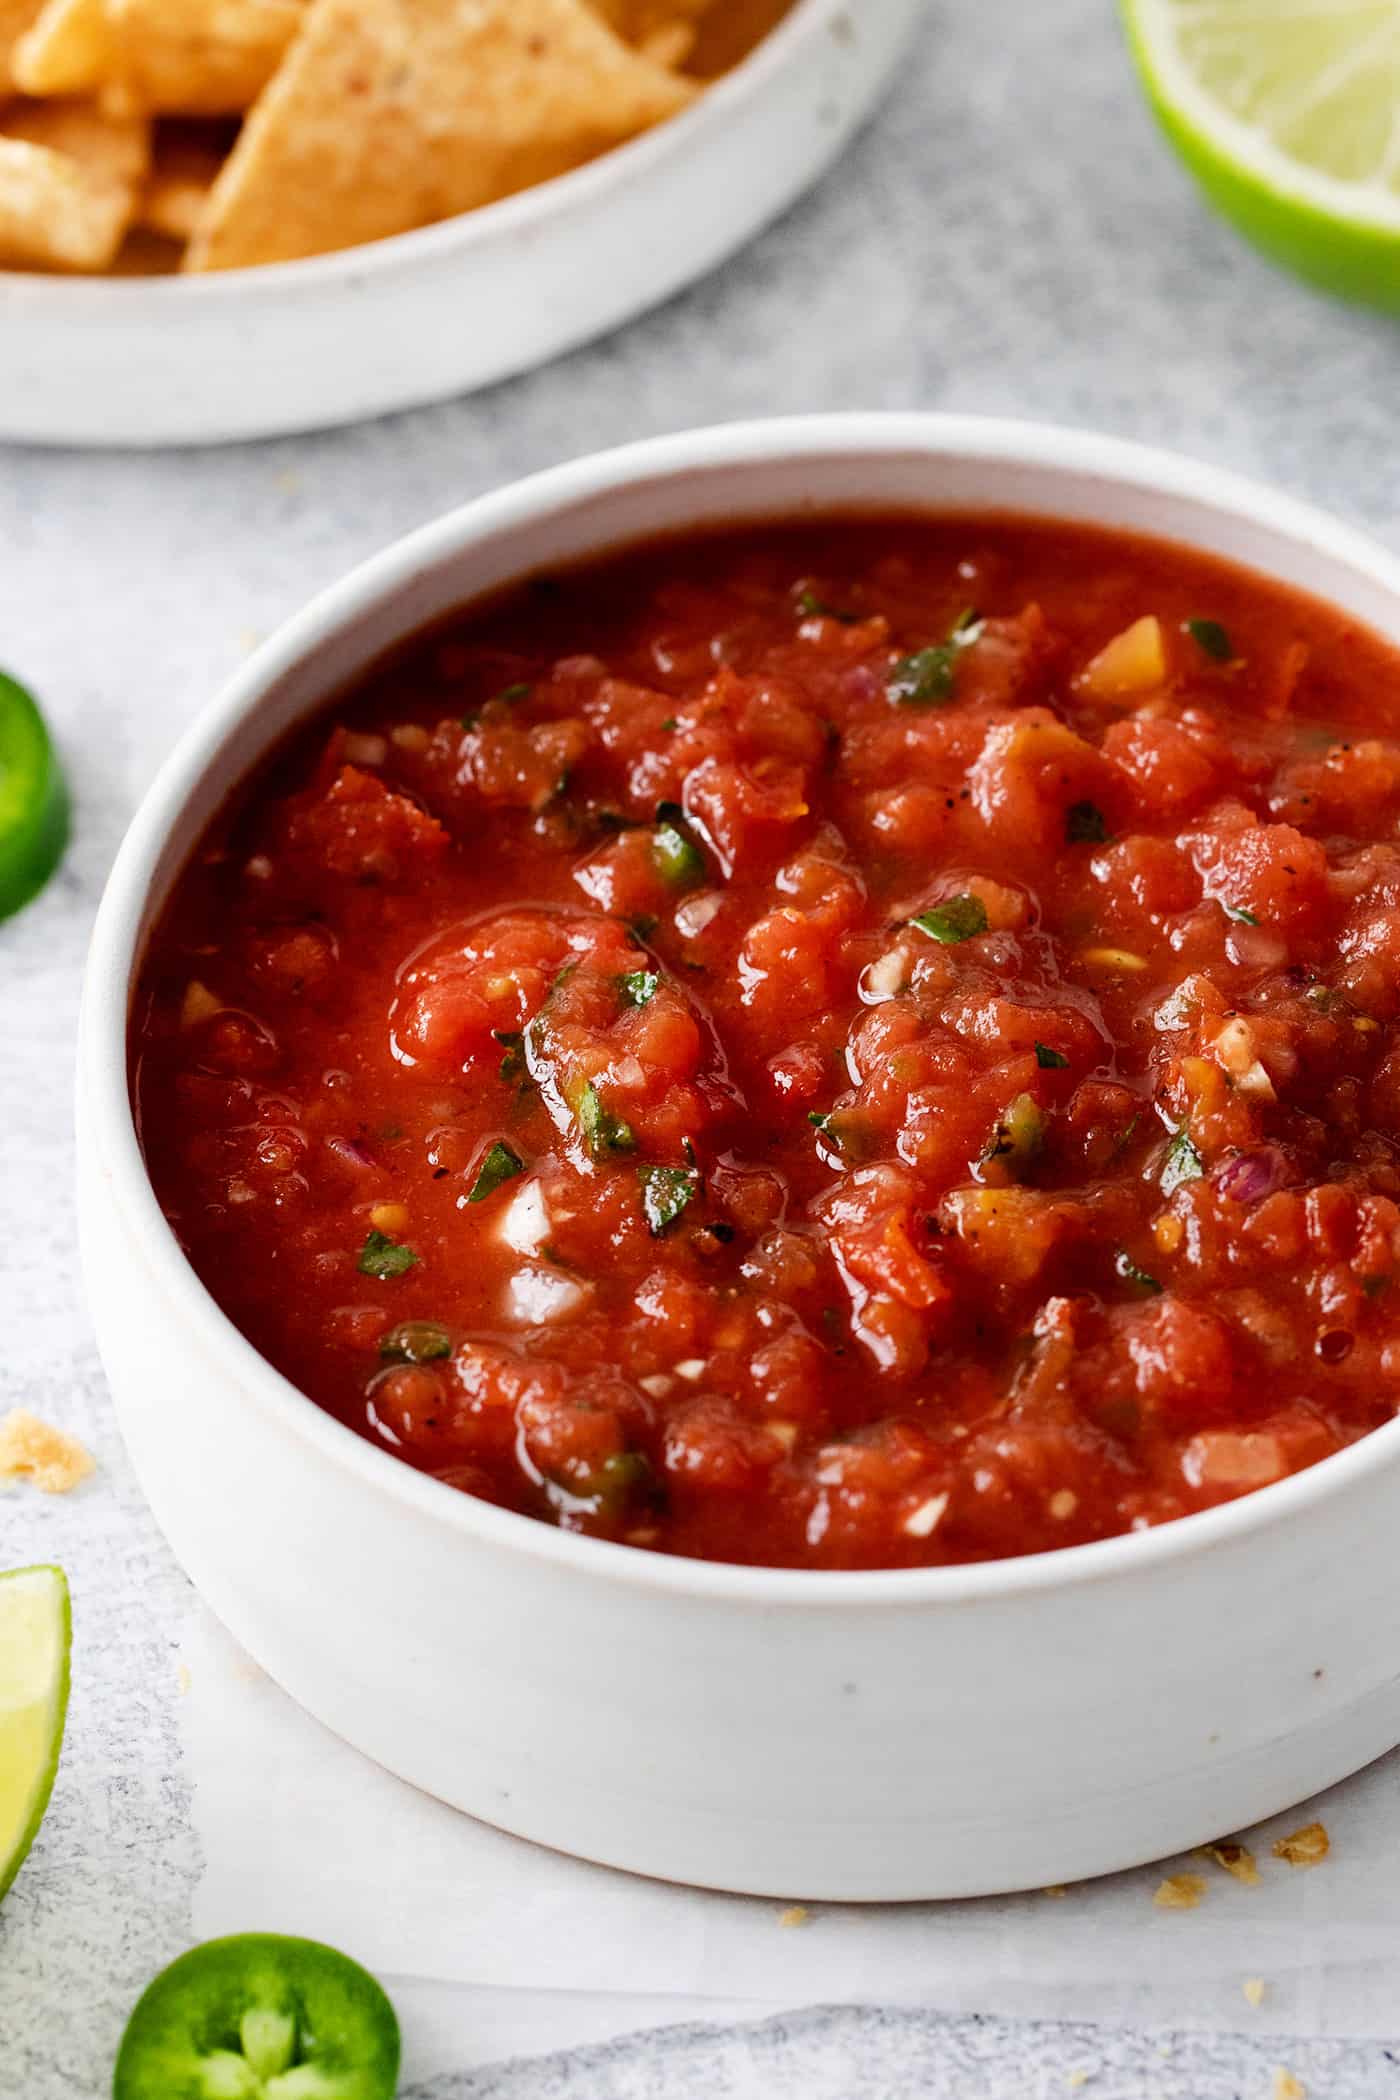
(1237, 1054)
(692, 917)
(410, 736)
(198, 1004)
(884, 978)
(535, 1296)
(657, 1386)
(1232, 1462)
(1121, 959)
(692, 1367)
(924, 1521)
(364, 750)
(1134, 662)
(524, 1224)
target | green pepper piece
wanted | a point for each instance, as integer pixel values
(416, 1342)
(679, 860)
(33, 800)
(260, 2017)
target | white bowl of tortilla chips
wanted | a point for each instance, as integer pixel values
(227, 219)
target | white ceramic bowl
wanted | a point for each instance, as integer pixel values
(301, 346)
(943, 1732)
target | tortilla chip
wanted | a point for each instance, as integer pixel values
(184, 174)
(15, 17)
(115, 146)
(669, 45)
(201, 57)
(56, 214)
(390, 114)
(67, 52)
(638, 20)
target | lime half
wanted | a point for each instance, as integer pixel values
(35, 1631)
(1287, 112)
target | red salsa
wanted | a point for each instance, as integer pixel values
(864, 1044)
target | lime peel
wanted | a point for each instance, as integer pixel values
(35, 1639)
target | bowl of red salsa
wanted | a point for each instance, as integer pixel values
(740, 1132)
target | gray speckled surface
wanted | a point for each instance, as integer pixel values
(1008, 237)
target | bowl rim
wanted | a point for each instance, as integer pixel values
(576, 190)
(106, 1113)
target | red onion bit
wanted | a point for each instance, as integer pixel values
(351, 1153)
(1249, 1176)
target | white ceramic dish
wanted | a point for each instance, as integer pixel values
(937, 1733)
(301, 346)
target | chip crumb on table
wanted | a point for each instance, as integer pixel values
(1304, 1848)
(1236, 1859)
(795, 1914)
(48, 1458)
(1287, 2087)
(1180, 1892)
(1255, 1990)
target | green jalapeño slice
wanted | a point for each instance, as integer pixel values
(33, 800)
(260, 2017)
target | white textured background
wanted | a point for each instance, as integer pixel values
(1009, 237)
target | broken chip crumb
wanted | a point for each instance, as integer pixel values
(48, 1458)
(183, 1678)
(1287, 2087)
(1056, 1889)
(1078, 2078)
(795, 1914)
(1305, 1847)
(1235, 1858)
(1180, 1892)
(1254, 1988)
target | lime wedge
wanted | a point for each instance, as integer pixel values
(35, 1631)
(33, 799)
(1287, 112)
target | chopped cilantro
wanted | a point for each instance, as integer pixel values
(666, 1192)
(1050, 1060)
(957, 919)
(1211, 638)
(499, 1165)
(638, 987)
(1128, 1271)
(513, 1063)
(511, 694)
(1240, 916)
(678, 859)
(928, 678)
(813, 607)
(670, 723)
(380, 1256)
(1182, 1163)
(1084, 825)
(602, 1131)
(416, 1342)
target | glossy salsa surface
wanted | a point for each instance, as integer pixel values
(853, 1045)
